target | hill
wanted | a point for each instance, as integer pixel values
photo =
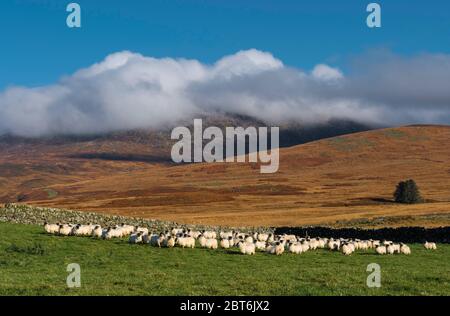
(346, 179)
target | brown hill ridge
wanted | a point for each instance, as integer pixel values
(348, 178)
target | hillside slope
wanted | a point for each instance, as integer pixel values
(344, 178)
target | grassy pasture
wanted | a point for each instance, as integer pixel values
(33, 263)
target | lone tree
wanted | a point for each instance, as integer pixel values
(407, 192)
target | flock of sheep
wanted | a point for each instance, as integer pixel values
(247, 244)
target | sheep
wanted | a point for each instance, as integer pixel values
(65, 230)
(305, 246)
(260, 245)
(211, 243)
(313, 244)
(51, 228)
(169, 242)
(295, 248)
(186, 241)
(231, 241)
(157, 240)
(430, 245)
(347, 249)
(135, 238)
(321, 243)
(97, 232)
(276, 249)
(376, 243)
(194, 234)
(381, 250)
(390, 249)
(209, 234)
(247, 248)
(404, 249)
(224, 243)
(202, 241)
(82, 230)
(291, 238)
(226, 235)
(262, 237)
(248, 239)
(137, 229)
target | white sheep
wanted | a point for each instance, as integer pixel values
(248, 239)
(186, 241)
(225, 243)
(404, 249)
(430, 245)
(65, 230)
(381, 250)
(135, 238)
(169, 242)
(97, 232)
(276, 249)
(211, 243)
(295, 248)
(347, 249)
(247, 248)
(262, 237)
(202, 241)
(261, 245)
(210, 234)
(51, 228)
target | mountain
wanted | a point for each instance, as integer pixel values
(342, 178)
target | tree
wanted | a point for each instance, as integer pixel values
(407, 192)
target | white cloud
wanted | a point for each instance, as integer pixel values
(128, 90)
(327, 73)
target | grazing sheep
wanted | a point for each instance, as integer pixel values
(404, 249)
(305, 246)
(157, 240)
(390, 249)
(65, 230)
(248, 239)
(97, 232)
(202, 241)
(247, 248)
(231, 241)
(82, 230)
(224, 243)
(347, 249)
(295, 248)
(430, 245)
(135, 238)
(186, 241)
(138, 229)
(261, 245)
(169, 242)
(381, 250)
(262, 237)
(209, 234)
(226, 235)
(211, 243)
(275, 249)
(51, 228)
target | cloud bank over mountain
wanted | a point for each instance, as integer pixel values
(127, 91)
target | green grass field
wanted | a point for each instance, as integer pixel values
(33, 263)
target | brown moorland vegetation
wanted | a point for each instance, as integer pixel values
(342, 179)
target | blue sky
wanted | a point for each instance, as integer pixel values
(37, 48)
